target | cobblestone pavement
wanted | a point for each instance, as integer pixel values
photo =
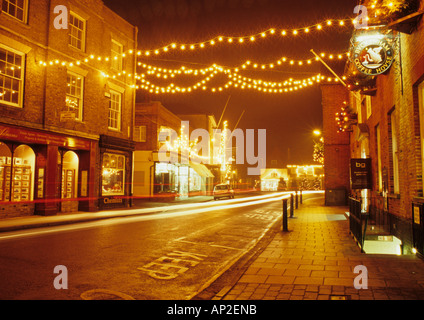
(315, 260)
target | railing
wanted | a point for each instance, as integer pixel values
(357, 221)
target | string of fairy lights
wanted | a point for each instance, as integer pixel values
(149, 77)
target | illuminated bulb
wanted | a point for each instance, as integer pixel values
(263, 34)
(329, 22)
(341, 22)
(212, 42)
(230, 40)
(307, 30)
(295, 32)
(252, 38)
(241, 40)
(284, 32)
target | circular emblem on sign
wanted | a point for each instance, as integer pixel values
(373, 57)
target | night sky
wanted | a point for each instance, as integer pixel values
(289, 118)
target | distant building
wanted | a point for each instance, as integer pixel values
(157, 179)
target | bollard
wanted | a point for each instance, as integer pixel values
(291, 205)
(297, 201)
(285, 215)
(300, 196)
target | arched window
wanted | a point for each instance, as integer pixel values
(70, 175)
(5, 161)
(16, 173)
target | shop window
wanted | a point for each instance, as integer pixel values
(195, 181)
(69, 175)
(16, 173)
(11, 77)
(16, 8)
(113, 174)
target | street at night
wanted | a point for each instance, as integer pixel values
(211, 151)
(165, 255)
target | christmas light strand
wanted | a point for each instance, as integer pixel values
(243, 39)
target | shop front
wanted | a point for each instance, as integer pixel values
(176, 180)
(116, 172)
(44, 173)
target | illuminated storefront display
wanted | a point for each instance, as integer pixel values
(113, 174)
(16, 173)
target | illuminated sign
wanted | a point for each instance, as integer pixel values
(373, 55)
(360, 173)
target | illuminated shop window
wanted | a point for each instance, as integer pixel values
(69, 175)
(16, 173)
(113, 174)
(11, 77)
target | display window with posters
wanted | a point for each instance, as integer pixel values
(16, 173)
(113, 174)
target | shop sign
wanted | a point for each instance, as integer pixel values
(40, 137)
(112, 200)
(373, 55)
(360, 173)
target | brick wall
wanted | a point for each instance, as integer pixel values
(336, 145)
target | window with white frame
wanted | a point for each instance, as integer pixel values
(140, 133)
(368, 106)
(116, 56)
(379, 171)
(16, 8)
(11, 77)
(115, 105)
(74, 94)
(76, 31)
(394, 120)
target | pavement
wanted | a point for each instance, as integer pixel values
(316, 260)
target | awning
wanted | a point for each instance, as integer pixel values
(201, 170)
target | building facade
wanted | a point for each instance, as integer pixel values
(66, 107)
(159, 130)
(383, 118)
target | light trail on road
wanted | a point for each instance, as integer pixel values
(136, 215)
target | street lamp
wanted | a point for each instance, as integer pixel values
(317, 132)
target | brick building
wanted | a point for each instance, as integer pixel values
(179, 177)
(66, 107)
(385, 122)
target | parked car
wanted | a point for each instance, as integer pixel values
(223, 191)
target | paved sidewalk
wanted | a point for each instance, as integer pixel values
(315, 261)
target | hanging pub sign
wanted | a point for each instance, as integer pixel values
(360, 173)
(373, 54)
